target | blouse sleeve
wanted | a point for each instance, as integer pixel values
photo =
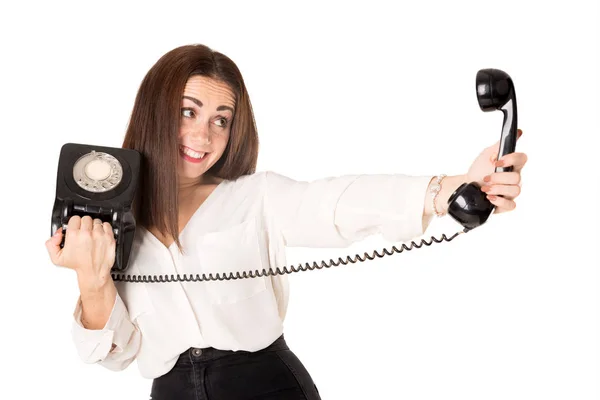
(96, 346)
(337, 211)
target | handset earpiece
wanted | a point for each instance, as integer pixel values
(468, 205)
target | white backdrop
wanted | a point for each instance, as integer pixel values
(508, 311)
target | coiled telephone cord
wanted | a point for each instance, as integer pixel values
(278, 271)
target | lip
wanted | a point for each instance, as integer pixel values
(197, 151)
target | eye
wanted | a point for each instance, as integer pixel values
(187, 112)
(224, 123)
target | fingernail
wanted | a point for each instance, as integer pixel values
(486, 178)
(492, 197)
(485, 189)
(500, 163)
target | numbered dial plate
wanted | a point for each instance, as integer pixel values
(97, 172)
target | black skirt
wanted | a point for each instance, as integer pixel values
(273, 373)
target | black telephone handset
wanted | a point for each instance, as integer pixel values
(102, 181)
(495, 91)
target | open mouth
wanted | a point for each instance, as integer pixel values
(191, 155)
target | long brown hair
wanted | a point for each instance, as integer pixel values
(154, 127)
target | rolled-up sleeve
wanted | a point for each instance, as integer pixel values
(96, 345)
(337, 211)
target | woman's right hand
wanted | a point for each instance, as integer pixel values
(89, 250)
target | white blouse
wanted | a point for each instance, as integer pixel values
(244, 224)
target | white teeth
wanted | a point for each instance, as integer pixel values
(193, 153)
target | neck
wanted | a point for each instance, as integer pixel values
(187, 186)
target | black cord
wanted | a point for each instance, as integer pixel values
(278, 271)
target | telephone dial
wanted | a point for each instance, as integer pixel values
(101, 182)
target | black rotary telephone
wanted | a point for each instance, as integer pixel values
(101, 182)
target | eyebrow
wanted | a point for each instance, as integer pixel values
(199, 104)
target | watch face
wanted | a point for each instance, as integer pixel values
(97, 172)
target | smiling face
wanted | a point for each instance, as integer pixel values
(207, 110)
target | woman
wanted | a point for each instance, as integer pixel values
(203, 208)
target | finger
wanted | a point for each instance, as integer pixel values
(502, 204)
(508, 191)
(519, 133)
(74, 223)
(516, 160)
(73, 226)
(98, 228)
(56, 238)
(86, 223)
(108, 229)
(503, 178)
(98, 225)
(53, 246)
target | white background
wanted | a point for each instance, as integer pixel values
(505, 312)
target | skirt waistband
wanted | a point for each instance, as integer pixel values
(195, 354)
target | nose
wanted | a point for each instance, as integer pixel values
(200, 133)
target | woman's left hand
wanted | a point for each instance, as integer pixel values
(497, 184)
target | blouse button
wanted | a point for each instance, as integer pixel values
(197, 352)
